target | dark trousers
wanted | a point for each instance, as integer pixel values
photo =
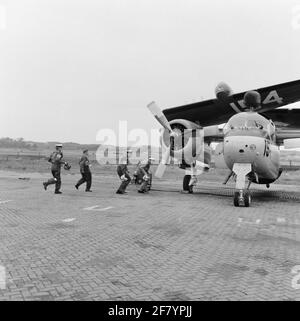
(124, 184)
(86, 178)
(145, 184)
(55, 180)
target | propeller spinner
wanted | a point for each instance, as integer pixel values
(188, 133)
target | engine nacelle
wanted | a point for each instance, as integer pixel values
(223, 91)
(187, 144)
(252, 99)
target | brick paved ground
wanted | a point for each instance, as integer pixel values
(161, 246)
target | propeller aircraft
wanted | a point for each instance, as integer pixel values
(257, 123)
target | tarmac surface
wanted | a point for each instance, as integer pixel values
(165, 245)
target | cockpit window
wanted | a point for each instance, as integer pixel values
(250, 123)
(247, 122)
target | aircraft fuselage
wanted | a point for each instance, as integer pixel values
(249, 138)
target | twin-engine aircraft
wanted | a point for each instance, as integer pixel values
(257, 124)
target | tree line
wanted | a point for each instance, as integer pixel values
(20, 143)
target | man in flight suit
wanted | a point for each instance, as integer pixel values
(147, 176)
(123, 174)
(85, 172)
(56, 159)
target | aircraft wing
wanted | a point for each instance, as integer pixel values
(213, 111)
(283, 135)
(288, 118)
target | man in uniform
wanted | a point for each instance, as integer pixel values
(145, 172)
(85, 171)
(56, 159)
(124, 174)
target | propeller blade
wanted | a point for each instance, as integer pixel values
(160, 170)
(160, 117)
(162, 166)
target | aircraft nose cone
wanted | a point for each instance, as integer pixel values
(242, 149)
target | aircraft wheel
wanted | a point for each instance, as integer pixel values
(186, 182)
(247, 199)
(236, 197)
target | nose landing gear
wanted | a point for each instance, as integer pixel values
(242, 197)
(241, 194)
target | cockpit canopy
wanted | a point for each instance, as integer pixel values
(250, 123)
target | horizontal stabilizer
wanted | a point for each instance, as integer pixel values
(291, 143)
(219, 156)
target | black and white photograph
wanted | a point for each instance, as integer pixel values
(149, 152)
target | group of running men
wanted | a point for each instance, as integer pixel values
(57, 161)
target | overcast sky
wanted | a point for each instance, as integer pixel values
(71, 67)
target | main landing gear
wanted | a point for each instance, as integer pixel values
(188, 183)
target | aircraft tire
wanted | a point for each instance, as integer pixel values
(236, 202)
(247, 199)
(186, 181)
